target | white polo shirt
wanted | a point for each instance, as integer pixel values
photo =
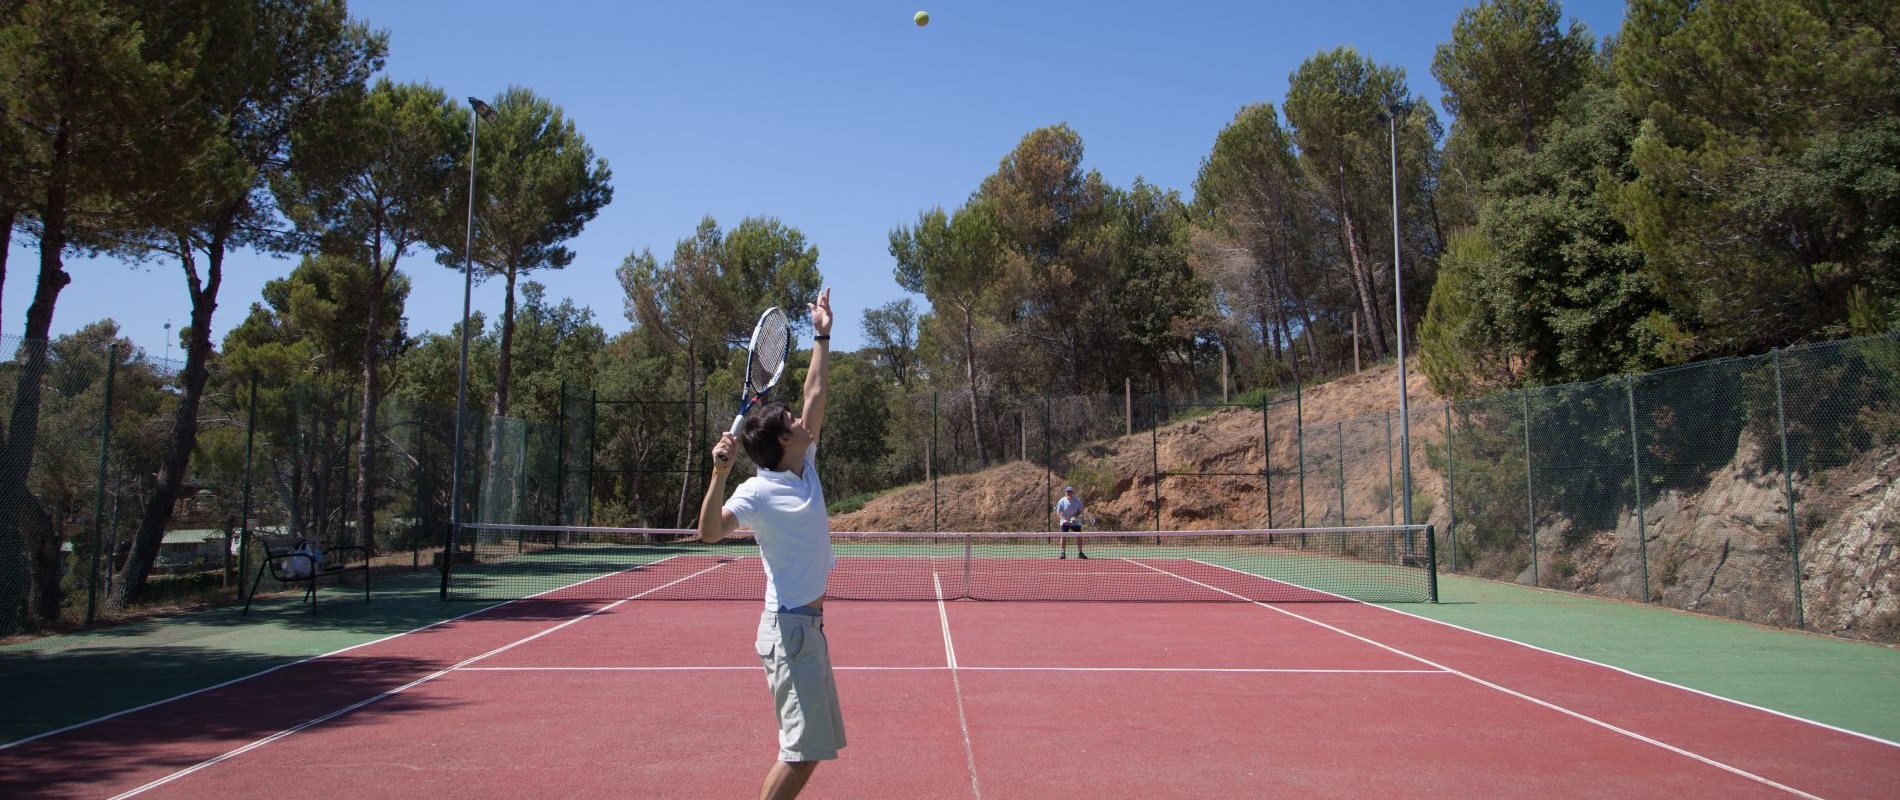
(787, 514)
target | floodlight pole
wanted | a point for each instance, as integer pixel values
(1398, 303)
(475, 108)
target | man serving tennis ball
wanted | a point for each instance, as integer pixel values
(784, 505)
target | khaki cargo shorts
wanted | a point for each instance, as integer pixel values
(797, 662)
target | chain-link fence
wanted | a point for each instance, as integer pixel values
(1754, 488)
(275, 460)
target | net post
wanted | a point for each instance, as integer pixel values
(968, 556)
(1431, 561)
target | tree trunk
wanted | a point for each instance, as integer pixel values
(1361, 274)
(6, 245)
(16, 456)
(507, 347)
(172, 472)
(969, 374)
(366, 476)
(42, 548)
(686, 478)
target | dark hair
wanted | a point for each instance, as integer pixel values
(763, 432)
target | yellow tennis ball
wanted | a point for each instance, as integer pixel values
(923, 18)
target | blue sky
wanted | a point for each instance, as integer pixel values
(841, 118)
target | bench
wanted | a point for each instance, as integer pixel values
(292, 567)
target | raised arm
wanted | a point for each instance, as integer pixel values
(715, 522)
(814, 409)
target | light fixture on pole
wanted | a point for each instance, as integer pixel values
(476, 108)
(1391, 118)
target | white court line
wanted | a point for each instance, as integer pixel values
(1734, 770)
(1659, 681)
(1239, 670)
(392, 692)
(263, 672)
(1576, 658)
(956, 684)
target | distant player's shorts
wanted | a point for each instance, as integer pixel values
(1068, 527)
(798, 670)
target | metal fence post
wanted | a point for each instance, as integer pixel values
(250, 444)
(1530, 503)
(99, 492)
(1451, 495)
(560, 453)
(1154, 452)
(1299, 442)
(1266, 451)
(1048, 461)
(1636, 475)
(1339, 437)
(935, 445)
(1787, 483)
(1391, 508)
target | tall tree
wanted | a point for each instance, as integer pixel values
(556, 344)
(1509, 68)
(540, 183)
(1158, 312)
(892, 331)
(1253, 196)
(99, 109)
(271, 68)
(953, 261)
(1767, 188)
(386, 176)
(1050, 215)
(1331, 105)
(707, 298)
(305, 340)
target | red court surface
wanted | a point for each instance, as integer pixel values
(558, 699)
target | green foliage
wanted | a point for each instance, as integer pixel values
(1257, 255)
(1459, 340)
(1508, 70)
(1094, 480)
(857, 427)
(891, 330)
(555, 345)
(1765, 160)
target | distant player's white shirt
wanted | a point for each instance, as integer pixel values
(787, 514)
(1068, 507)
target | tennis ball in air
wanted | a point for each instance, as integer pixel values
(923, 18)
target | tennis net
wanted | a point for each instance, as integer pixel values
(1390, 563)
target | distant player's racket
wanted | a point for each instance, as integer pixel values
(764, 360)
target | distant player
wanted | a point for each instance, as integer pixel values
(1069, 514)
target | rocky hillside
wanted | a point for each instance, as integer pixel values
(1719, 550)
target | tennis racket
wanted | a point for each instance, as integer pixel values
(764, 360)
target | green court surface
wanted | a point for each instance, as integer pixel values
(58, 681)
(1846, 684)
